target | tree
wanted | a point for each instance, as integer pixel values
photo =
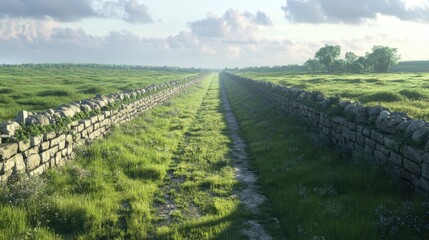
(327, 56)
(382, 58)
(351, 57)
(313, 65)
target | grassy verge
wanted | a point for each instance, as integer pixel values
(108, 191)
(39, 87)
(316, 193)
(406, 92)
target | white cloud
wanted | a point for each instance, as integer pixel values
(75, 10)
(354, 11)
(232, 27)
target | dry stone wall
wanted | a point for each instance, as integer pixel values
(38, 153)
(391, 139)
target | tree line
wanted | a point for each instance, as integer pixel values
(326, 60)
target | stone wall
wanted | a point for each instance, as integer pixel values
(38, 153)
(391, 139)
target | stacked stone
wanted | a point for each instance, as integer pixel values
(35, 155)
(387, 138)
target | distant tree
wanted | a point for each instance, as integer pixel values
(339, 66)
(313, 65)
(353, 63)
(327, 56)
(351, 57)
(382, 58)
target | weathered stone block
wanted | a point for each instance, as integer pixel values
(22, 116)
(380, 157)
(382, 115)
(425, 157)
(382, 149)
(9, 128)
(392, 144)
(57, 140)
(424, 184)
(420, 135)
(412, 153)
(86, 122)
(8, 150)
(31, 151)
(69, 139)
(396, 158)
(17, 163)
(37, 171)
(48, 136)
(360, 139)
(24, 145)
(376, 136)
(370, 142)
(94, 119)
(32, 162)
(48, 154)
(61, 145)
(425, 170)
(414, 125)
(412, 166)
(366, 132)
(38, 119)
(35, 141)
(45, 145)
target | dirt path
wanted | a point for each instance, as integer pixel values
(249, 195)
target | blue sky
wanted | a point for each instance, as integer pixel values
(206, 33)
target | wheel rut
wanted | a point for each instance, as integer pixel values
(249, 194)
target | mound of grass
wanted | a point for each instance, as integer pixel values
(412, 94)
(382, 96)
(94, 90)
(54, 93)
(6, 100)
(6, 91)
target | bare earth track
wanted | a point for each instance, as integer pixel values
(249, 195)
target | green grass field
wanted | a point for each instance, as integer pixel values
(37, 87)
(405, 92)
(316, 193)
(177, 157)
(107, 192)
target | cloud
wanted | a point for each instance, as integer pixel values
(353, 11)
(128, 10)
(233, 26)
(260, 18)
(75, 10)
(61, 10)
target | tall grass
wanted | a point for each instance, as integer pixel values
(317, 193)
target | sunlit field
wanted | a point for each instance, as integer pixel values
(39, 87)
(405, 92)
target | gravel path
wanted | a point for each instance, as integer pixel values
(249, 194)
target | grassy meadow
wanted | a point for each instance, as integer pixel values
(405, 92)
(315, 192)
(177, 154)
(107, 192)
(39, 87)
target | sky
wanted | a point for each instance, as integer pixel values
(206, 33)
